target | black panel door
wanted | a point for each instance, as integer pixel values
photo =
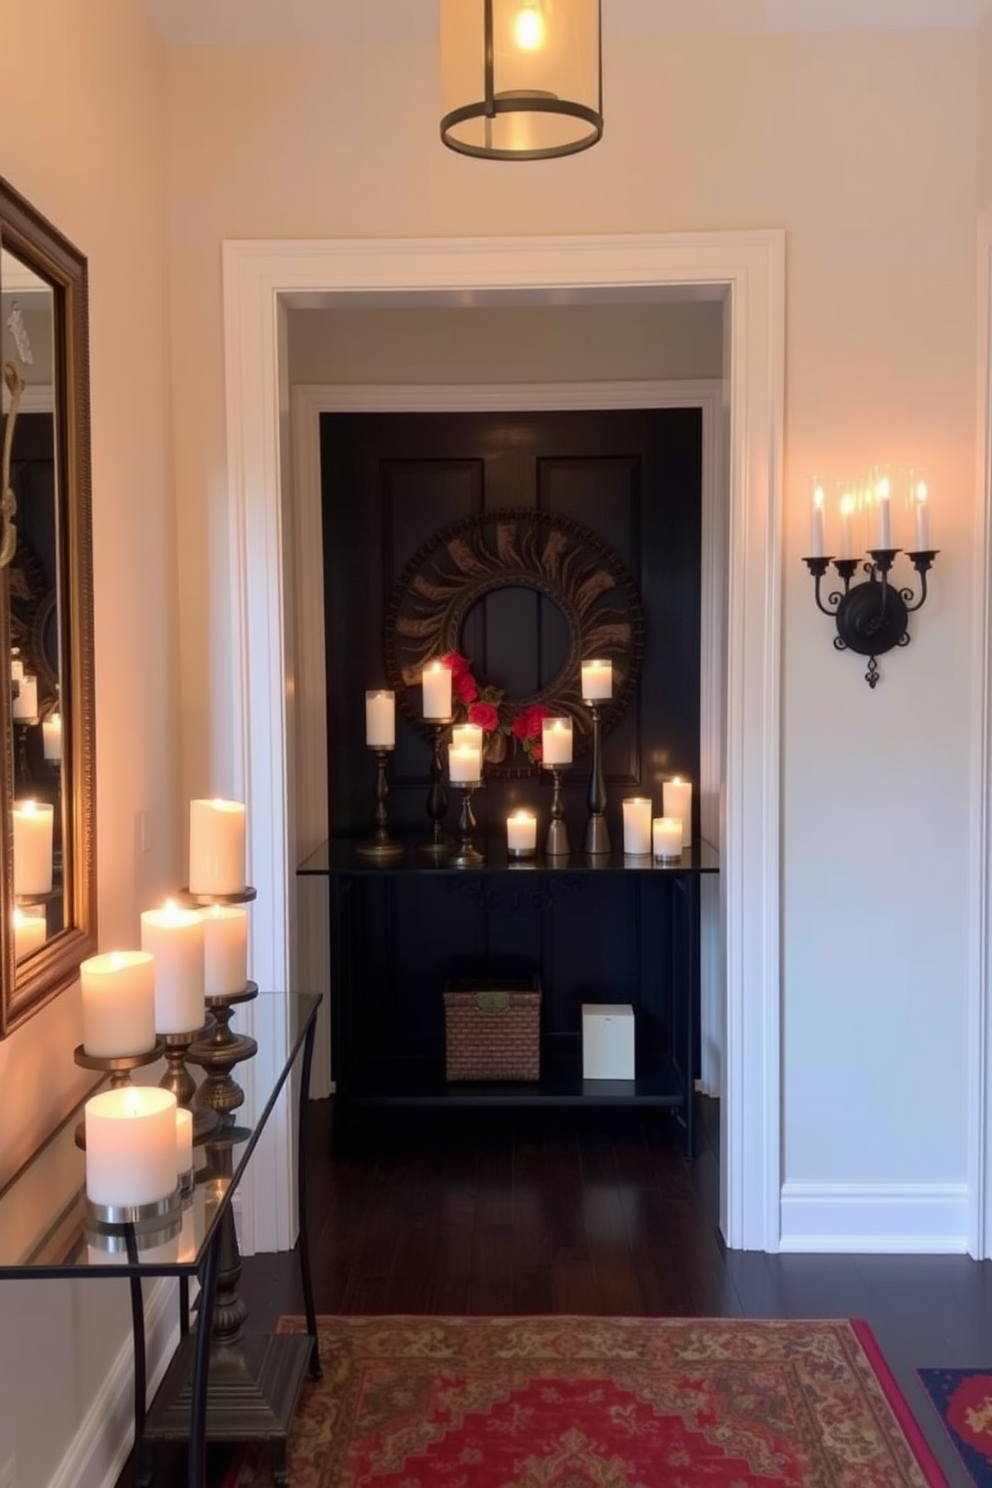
(392, 481)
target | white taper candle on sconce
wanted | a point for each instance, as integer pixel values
(676, 800)
(882, 497)
(130, 1146)
(33, 827)
(380, 719)
(666, 838)
(118, 995)
(597, 681)
(848, 505)
(637, 826)
(556, 741)
(51, 735)
(816, 522)
(216, 847)
(921, 512)
(174, 936)
(521, 834)
(225, 950)
(30, 933)
(436, 680)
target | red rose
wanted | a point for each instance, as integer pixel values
(465, 687)
(527, 725)
(457, 665)
(485, 716)
(537, 753)
(521, 725)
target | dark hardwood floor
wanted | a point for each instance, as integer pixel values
(588, 1212)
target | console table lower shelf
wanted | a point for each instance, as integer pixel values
(252, 1394)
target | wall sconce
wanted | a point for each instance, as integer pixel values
(521, 79)
(871, 616)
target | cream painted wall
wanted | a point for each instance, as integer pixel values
(92, 159)
(873, 178)
(544, 343)
(985, 111)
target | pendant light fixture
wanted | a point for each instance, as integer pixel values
(521, 79)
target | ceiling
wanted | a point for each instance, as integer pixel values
(255, 22)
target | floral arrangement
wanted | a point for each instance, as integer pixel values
(485, 706)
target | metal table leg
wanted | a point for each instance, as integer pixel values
(201, 1371)
(306, 1276)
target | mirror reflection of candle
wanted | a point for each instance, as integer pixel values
(33, 826)
(30, 932)
(51, 733)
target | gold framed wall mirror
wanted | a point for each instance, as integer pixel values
(47, 796)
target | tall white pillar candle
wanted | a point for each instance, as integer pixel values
(556, 741)
(118, 992)
(30, 933)
(130, 1145)
(464, 764)
(521, 833)
(597, 680)
(436, 680)
(184, 1140)
(216, 847)
(637, 826)
(816, 523)
(175, 938)
(33, 823)
(676, 800)
(225, 950)
(380, 719)
(51, 737)
(666, 838)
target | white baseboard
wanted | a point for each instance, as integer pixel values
(101, 1445)
(876, 1218)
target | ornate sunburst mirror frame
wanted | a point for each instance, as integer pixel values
(518, 548)
(46, 607)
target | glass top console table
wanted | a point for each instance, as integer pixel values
(605, 930)
(45, 1232)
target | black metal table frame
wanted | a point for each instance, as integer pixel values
(205, 1269)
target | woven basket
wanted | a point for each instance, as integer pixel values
(493, 1030)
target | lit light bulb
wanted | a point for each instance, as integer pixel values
(529, 28)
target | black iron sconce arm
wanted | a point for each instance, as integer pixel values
(872, 616)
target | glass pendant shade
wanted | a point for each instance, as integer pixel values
(521, 79)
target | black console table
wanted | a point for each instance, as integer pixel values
(617, 929)
(44, 1233)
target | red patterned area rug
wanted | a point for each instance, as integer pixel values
(584, 1402)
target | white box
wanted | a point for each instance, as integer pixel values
(607, 1041)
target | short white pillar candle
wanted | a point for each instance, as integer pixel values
(51, 737)
(666, 838)
(33, 826)
(25, 705)
(637, 826)
(216, 847)
(118, 993)
(130, 1145)
(676, 800)
(597, 680)
(30, 932)
(436, 680)
(521, 834)
(225, 950)
(380, 719)
(184, 1140)
(174, 936)
(556, 741)
(464, 764)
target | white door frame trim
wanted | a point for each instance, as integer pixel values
(979, 1139)
(260, 279)
(308, 401)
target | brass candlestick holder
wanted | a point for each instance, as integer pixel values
(438, 846)
(177, 1078)
(556, 843)
(218, 1054)
(380, 847)
(596, 843)
(466, 855)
